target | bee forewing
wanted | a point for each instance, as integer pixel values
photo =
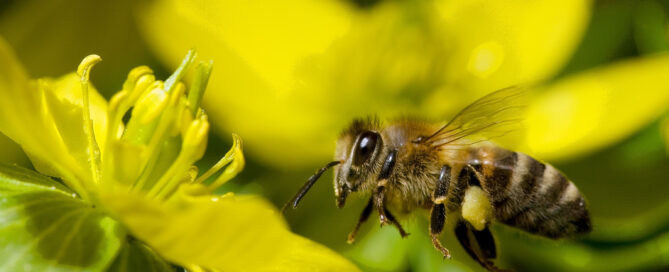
(489, 117)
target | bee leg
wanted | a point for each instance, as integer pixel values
(462, 232)
(379, 193)
(363, 217)
(396, 223)
(379, 201)
(486, 242)
(438, 214)
(437, 220)
(482, 249)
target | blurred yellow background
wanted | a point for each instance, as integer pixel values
(289, 75)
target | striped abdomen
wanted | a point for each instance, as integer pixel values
(530, 195)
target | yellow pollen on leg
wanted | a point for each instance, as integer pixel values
(476, 207)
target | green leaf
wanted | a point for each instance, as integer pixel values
(136, 256)
(45, 226)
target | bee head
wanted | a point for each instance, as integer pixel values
(359, 149)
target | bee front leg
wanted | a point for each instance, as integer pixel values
(397, 224)
(363, 217)
(379, 201)
(438, 214)
(382, 181)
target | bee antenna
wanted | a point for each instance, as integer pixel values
(305, 188)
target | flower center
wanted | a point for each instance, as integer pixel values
(153, 151)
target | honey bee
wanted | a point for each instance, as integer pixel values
(454, 169)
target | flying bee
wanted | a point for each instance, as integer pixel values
(453, 169)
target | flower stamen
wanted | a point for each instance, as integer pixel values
(192, 149)
(181, 70)
(158, 137)
(234, 161)
(199, 84)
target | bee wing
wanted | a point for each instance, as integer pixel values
(491, 116)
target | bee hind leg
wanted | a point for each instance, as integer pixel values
(438, 214)
(480, 245)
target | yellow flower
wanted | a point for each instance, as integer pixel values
(591, 110)
(314, 65)
(128, 173)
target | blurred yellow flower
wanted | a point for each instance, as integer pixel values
(591, 110)
(315, 65)
(138, 171)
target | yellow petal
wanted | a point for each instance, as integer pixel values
(246, 28)
(500, 43)
(45, 117)
(125, 166)
(295, 72)
(257, 48)
(227, 233)
(597, 108)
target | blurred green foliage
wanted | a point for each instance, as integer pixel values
(626, 184)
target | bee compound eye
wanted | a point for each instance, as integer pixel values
(365, 147)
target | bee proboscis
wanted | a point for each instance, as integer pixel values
(453, 169)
